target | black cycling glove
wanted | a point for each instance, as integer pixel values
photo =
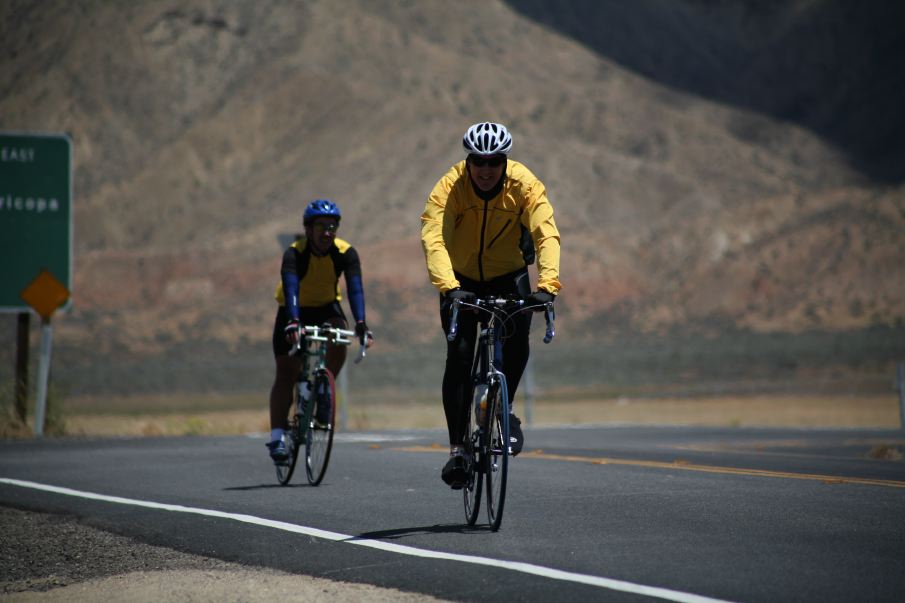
(459, 294)
(293, 331)
(363, 333)
(539, 298)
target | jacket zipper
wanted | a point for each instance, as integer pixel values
(481, 252)
(499, 234)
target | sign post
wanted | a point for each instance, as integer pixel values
(900, 385)
(43, 377)
(36, 223)
(22, 328)
(45, 294)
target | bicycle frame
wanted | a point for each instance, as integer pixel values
(489, 355)
(314, 384)
(314, 358)
(489, 442)
(488, 360)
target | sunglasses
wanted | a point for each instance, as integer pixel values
(321, 227)
(494, 161)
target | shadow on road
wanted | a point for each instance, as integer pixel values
(264, 486)
(452, 528)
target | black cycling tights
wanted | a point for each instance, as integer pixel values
(459, 359)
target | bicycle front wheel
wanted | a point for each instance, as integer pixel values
(319, 435)
(287, 467)
(496, 465)
(474, 477)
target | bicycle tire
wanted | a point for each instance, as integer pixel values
(474, 475)
(496, 465)
(319, 434)
(285, 470)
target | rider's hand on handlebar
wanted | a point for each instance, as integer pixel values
(539, 299)
(293, 331)
(363, 333)
(459, 294)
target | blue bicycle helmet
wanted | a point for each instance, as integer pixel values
(318, 208)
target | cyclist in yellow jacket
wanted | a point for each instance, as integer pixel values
(484, 222)
(308, 293)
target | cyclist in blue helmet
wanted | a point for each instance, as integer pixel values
(308, 293)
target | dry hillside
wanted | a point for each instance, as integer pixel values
(688, 194)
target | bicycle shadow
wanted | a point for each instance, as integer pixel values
(265, 486)
(450, 528)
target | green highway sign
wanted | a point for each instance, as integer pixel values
(35, 213)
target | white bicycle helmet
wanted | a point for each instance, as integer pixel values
(487, 138)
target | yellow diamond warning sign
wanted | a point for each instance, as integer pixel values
(45, 294)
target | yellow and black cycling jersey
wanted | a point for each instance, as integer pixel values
(316, 278)
(461, 233)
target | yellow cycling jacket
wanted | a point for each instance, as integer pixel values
(318, 275)
(462, 233)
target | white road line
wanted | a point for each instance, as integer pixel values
(527, 568)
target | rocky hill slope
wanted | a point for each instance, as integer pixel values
(700, 183)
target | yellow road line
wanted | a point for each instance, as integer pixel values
(686, 466)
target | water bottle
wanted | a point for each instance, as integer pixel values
(304, 396)
(480, 401)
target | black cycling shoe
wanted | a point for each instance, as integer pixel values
(454, 472)
(516, 438)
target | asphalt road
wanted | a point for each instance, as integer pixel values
(592, 513)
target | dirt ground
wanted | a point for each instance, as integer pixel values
(35, 565)
(738, 411)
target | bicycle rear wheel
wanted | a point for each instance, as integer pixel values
(287, 467)
(319, 435)
(496, 465)
(474, 480)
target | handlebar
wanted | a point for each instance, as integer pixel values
(329, 334)
(493, 303)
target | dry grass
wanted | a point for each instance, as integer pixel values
(214, 422)
(773, 411)
(737, 411)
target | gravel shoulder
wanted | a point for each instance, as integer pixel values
(51, 558)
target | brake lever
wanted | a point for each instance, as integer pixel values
(453, 321)
(549, 316)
